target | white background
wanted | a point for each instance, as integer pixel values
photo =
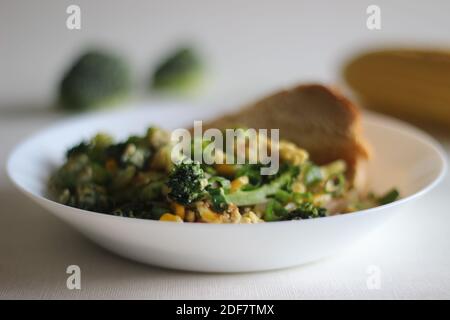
(251, 47)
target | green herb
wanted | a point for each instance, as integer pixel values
(389, 197)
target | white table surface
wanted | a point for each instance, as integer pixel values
(273, 44)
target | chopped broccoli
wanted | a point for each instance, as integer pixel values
(312, 175)
(261, 194)
(218, 181)
(92, 197)
(152, 190)
(128, 153)
(218, 199)
(336, 184)
(94, 149)
(157, 137)
(75, 171)
(102, 141)
(305, 210)
(94, 80)
(253, 172)
(187, 182)
(333, 168)
(82, 147)
(217, 186)
(142, 210)
(389, 197)
(180, 73)
(123, 177)
(283, 196)
(134, 155)
(274, 211)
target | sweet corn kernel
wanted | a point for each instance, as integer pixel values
(290, 153)
(250, 217)
(210, 216)
(299, 187)
(246, 220)
(321, 199)
(207, 214)
(190, 216)
(178, 209)
(234, 214)
(170, 217)
(225, 169)
(237, 183)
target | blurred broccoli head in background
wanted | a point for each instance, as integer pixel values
(94, 80)
(181, 72)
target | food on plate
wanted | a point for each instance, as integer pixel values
(95, 79)
(404, 82)
(320, 153)
(181, 72)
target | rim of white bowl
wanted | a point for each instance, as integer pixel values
(383, 120)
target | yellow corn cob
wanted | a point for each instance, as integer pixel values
(414, 84)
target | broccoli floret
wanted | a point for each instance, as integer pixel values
(95, 79)
(187, 182)
(180, 73)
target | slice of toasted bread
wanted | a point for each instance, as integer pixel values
(314, 117)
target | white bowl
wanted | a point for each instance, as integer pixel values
(404, 157)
